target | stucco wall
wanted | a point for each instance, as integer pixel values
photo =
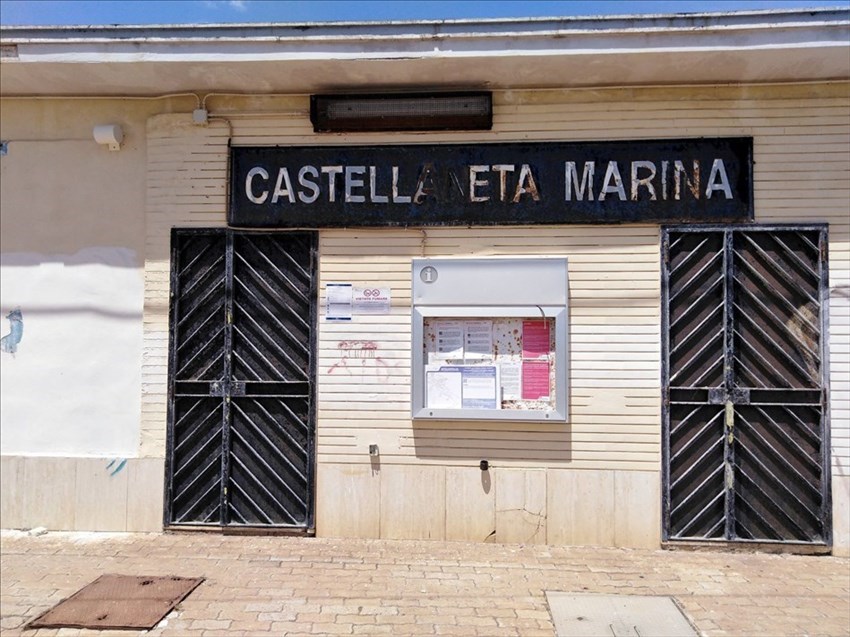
(72, 259)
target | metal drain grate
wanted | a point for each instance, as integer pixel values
(589, 615)
(119, 601)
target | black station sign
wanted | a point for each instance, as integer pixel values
(663, 181)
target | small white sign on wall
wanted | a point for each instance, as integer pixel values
(338, 297)
(371, 300)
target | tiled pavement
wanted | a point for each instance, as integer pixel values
(292, 586)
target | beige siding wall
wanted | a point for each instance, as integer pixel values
(802, 174)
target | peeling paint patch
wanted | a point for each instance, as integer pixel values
(10, 342)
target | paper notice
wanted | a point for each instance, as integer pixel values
(338, 298)
(511, 380)
(444, 388)
(480, 387)
(449, 340)
(478, 340)
(535, 380)
(535, 339)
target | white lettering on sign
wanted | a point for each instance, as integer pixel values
(312, 186)
(718, 172)
(586, 185)
(351, 183)
(332, 172)
(283, 187)
(612, 173)
(249, 185)
(474, 182)
(645, 174)
(667, 180)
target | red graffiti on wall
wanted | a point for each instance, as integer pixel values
(364, 351)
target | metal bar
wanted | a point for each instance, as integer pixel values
(202, 498)
(696, 463)
(188, 338)
(696, 276)
(790, 442)
(757, 275)
(666, 247)
(675, 430)
(206, 346)
(777, 348)
(261, 279)
(247, 342)
(203, 251)
(272, 446)
(167, 512)
(779, 481)
(793, 256)
(825, 429)
(228, 376)
(189, 461)
(304, 426)
(281, 274)
(709, 369)
(244, 365)
(189, 289)
(244, 496)
(688, 257)
(312, 240)
(705, 293)
(194, 429)
(777, 269)
(763, 497)
(682, 367)
(709, 422)
(696, 517)
(779, 321)
(729, 379)
(699, 489)
(196, 480)
(296, 367)
(742, 370)
(812, 433)
(779, 377)
(696, 329)
(273, 317)
(201, 302)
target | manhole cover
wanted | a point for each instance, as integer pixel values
(589, 615)
(119, 601)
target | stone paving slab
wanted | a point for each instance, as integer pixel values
(307, 586)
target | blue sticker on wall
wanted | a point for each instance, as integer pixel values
(9, 343)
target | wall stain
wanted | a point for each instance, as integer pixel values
(9, 343)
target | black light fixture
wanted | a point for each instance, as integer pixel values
(402, 112)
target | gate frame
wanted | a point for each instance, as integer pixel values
(173, 301)
(826, 459)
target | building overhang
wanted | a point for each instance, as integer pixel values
(711, 48)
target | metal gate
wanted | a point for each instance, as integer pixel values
(241, 369)
(745, 439)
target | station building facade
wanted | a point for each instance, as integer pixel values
(617, 314)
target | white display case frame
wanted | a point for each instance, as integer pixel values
(491, 288)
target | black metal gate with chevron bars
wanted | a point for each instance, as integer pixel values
(745, 440)
(241, 379)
